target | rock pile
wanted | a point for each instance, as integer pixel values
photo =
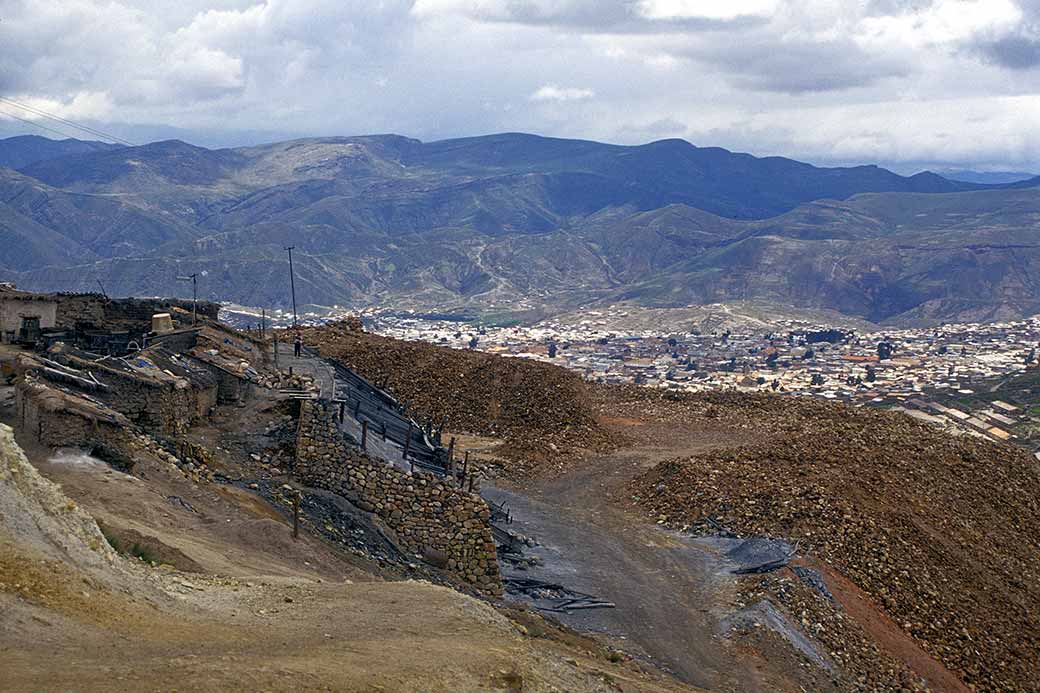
(539, 409)
(941, 532)
(193, 469)
(857, 662)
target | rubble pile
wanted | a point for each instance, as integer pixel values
(858, 663)
(192, 470)
(941, 532)
(540, 410)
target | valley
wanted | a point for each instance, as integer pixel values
(517, 224)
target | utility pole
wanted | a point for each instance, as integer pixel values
(292, 285)
(194, 279)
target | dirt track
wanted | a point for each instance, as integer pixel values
(281, 615)
(670, 590)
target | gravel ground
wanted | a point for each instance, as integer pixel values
(941, 532)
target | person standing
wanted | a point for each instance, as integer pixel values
(297, 345)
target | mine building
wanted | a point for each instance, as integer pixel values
(24, 315)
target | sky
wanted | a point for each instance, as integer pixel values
(907, 83)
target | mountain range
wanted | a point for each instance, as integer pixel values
(513, 222)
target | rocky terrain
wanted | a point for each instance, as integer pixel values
(513, 223)
(940, 532)
(258, 611)
(887, 555)
(540, 411)
(931, 537)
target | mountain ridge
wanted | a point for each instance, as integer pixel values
(521, 220)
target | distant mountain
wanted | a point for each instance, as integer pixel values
(568, 177)
(23, 150)
(988, 177)
(512, 221)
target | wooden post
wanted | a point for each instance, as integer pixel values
(296, 515)
(408, 442)
(357, 408)
(364, 435)
(342, 409)
(451, 458)
(465, 467)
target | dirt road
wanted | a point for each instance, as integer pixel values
(670, 591)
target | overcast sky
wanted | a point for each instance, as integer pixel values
(951, 81)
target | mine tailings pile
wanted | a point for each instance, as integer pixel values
(540, 410)
(940, 532)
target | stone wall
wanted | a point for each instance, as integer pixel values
(80, 308)
(45, 418)
(142, 309)
(161, 407)
(430, 516)
(230, 388)
(165, 406)
(102, 312)
(180, 342)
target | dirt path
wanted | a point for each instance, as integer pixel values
(277, 615)
(670, 591)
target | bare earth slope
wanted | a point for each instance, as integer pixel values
(940, 532)
(74, 615)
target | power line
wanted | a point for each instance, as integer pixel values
(84, 128)
(45, 114)
(35, 124)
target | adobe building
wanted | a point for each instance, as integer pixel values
(23, 314)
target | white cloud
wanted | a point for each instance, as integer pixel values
(552, 92)
(820, 79)
(943, 22)
(705, 9)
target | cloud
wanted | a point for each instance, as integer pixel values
(1019, 51)
(552, 92)
(816, 79)
(1015, 45)
(620, 16)
(803, 67)
(941, 22)
(705, 9)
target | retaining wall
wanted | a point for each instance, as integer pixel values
(430, 516)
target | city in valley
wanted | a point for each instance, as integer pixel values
(967, 378)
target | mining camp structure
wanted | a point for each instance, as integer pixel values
(115, 376)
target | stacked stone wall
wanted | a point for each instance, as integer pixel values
(142, 309)
(63, 428)
(80, 308)
(159, 406)
(100, 311)
(230, 388)
(430, 516)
